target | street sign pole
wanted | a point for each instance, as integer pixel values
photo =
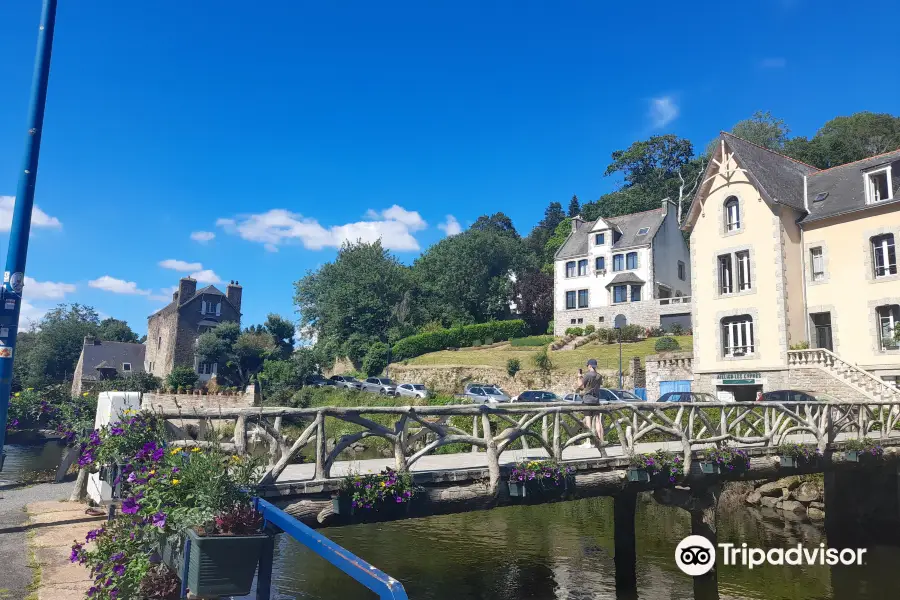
(14, 275)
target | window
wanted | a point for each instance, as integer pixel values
(737, 335)
(582, 267)
(618, 262)
(884, 255)
(600, 319)
(158, 342)
(599, 239)
(570, 300)
(743, 264)
(732, 214)
(725, 275)
(681, 269)
(635, 293)
(579, 321)
(878, 185)
(126, 367)
(643, 231)
(210, 308)
(888, 317)
(206, 368)
(572, 321)
(600, 263)
(817, 263)
(631, 261)
(570, 268)
(893, 380)
(582, 298)
(620, 293)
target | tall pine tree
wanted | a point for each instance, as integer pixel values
(574, 207)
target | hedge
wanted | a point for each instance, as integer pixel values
(457, 337)
(667, 344)
(532, 340)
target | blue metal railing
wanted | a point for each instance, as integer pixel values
(379, 582)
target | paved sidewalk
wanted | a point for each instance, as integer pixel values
(53, 526)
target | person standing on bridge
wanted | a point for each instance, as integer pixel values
(589, 385)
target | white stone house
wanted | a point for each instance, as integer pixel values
(636, 266)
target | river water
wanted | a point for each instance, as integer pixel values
(31, 462)
(564, 551)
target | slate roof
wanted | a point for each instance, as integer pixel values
(625, 278)
(845, 188)
(778, 177)
(577, 243)
(110, 355)
(173, 305)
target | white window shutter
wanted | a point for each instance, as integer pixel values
(218, 309)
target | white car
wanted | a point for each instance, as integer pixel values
(412, 390)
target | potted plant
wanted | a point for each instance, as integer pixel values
(387, 493)
(661, 465)
(541, 478)
(859, 450)
(793, 455)
(716, 460)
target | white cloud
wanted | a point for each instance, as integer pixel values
(38, 217)
(663, 111)
(206, 276)
(276, 227)
(180, 265)
(774, 62)
(202, 236)
(46, 289)
(30, 315)
(451, 226)
(117, 286)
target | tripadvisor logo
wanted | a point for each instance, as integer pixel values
(695, 555)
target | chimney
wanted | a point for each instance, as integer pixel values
(175, 295)
(90, 340)
(187, 288)
(665, 205)
(577, 222)
(233, 292)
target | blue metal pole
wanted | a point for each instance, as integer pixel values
(264, 571)
(14, 276)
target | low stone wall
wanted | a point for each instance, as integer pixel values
(187, 403)
(452, 380)
(671, 366)
(646, 314)
(793, 496)
(794, 378)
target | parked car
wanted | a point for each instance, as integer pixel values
(687, 397)
(536, 396)
(789, 396)
(485, 394)
(576, 398)
(346, 381)
(379, 385)
(412, 390)
(626, 396)
(318, 381)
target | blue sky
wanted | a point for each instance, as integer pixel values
(246, 140)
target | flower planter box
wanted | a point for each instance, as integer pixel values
(853, 455)
(795, 462)
(639, 475)
(710, 468)
(218, 565)
(343, 506)
(539, 488)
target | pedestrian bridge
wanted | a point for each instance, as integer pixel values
(459, 453)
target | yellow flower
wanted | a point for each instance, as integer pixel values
(29, 389)
(236, 458)
(176, 481)
(153, 471)
(382, 484)
(195, 449)
(175, 451)
(16, 394)
(84, 394)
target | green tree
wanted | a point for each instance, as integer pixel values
(762, 129)
(242, 354)
(537, 239)
(49, 352)
(279, 380)
(847, 139)
(554, 243)
(574, 207)
(376, 359)
(497, 222)
(282, 331)
(116, 330)
(349, 303)
(466, 278)
(181, 377)
(533, 294)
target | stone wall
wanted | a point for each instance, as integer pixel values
(795, 378)
(645, 314)
(792, 496)
(452, 380)
(671, 366)
(188, 402)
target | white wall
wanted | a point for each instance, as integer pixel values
(670, 247)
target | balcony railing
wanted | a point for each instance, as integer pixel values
(675, 300)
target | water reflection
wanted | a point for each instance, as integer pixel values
(564, 552)
(29, 462)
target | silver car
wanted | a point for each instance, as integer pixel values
(346, 381)
(412, 390)
(485, 394)
(379, 385)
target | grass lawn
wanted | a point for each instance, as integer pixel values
(607, 355)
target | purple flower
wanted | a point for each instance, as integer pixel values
(93, 590)
(157, 455)
(75, 556)
(93, 534)
(117, 557)
(114, 593)
(119, 570)
(159, 520)
(117, 431)
(130, 506)
(131, 477)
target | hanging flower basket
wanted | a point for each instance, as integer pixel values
(540, 479)
(863, 450)
(639, 475)
(794, 456)
(723, 459)
(218, 565)
(710, 468)
(382, 496)
(661, 467)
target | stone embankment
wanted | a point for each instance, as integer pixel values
(796, 495)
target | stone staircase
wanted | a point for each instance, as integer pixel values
(846, 373)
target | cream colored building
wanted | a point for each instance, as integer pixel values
(783, 253)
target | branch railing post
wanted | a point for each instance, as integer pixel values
(321, 471)
(493, 456)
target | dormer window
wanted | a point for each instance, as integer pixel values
(878, 185)
(599, 239)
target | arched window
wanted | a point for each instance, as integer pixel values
(732, 214)
(737, 336)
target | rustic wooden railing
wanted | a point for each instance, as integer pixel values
(417, 431)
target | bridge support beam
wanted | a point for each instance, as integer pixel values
(625, 557)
